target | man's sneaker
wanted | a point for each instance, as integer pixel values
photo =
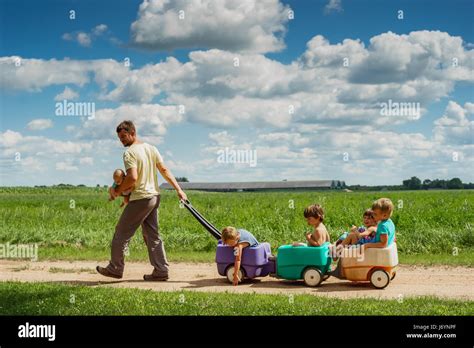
(153, 278)
(106, 273)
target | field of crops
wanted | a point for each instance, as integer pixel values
(427, 221)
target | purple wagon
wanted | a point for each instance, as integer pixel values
(255, 260)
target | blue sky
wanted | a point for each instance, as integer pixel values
(184, 63)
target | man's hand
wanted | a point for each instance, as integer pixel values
(182, 196)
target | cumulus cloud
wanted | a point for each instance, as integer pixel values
(151, 120)
(17, 73)
(40, 124)
(12, 141)
(454, 127)
(433, 55)
(85, 38)
(302, 115)
(249, 25)
(67, 94)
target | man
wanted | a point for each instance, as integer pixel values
(141, 162)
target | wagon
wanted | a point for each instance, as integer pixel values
(255, 262)
(375, 265)
(311, 264)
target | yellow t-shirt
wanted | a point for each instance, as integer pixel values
(144, 157)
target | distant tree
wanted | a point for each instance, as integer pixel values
(412, 184)
(426, 183)
(182, 179)
(455, 183)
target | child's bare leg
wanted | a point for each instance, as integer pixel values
(125, 201)
(351, 239)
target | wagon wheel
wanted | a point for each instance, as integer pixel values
(326, 276)
(230, 274)
(312, 276)
(393, 276)
(379, 278)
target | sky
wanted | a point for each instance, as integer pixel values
(369, 92)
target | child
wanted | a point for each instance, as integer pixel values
(314, 215)
(119, 177)
(385, 234)
(239, 239)
(362, 234)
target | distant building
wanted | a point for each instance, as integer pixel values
(259, 185)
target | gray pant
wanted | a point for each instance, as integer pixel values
(142, 212)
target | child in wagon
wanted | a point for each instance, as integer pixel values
(314, 215)
(239, 239)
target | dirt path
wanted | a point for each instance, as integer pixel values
(440, 281)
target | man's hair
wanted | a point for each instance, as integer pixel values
(314, 210)
(385, 205)
(369, 213)
(229, 233)
(127, 126)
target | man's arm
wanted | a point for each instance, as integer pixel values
(169, 177)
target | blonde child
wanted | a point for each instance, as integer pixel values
(239, 239)
(385, 233)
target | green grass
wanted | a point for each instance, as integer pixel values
(431, 225)
(56, 299)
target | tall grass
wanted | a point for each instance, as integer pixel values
(426, 221)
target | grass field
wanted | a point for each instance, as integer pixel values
(56, 299)
(79, 222)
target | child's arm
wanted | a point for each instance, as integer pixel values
(315, 239)
(238, 257)
(368, 231)
(382, 244)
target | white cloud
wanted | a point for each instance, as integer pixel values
(99, 30)
(151, 121)
(10, 138)
(248, 25)
(454, 127)
(433, 55)
(85, 38)
(86, 161)
(333, 6)
(66, 166)
(35, 74)
(40, 124)
(12, 142)
(67, 94)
